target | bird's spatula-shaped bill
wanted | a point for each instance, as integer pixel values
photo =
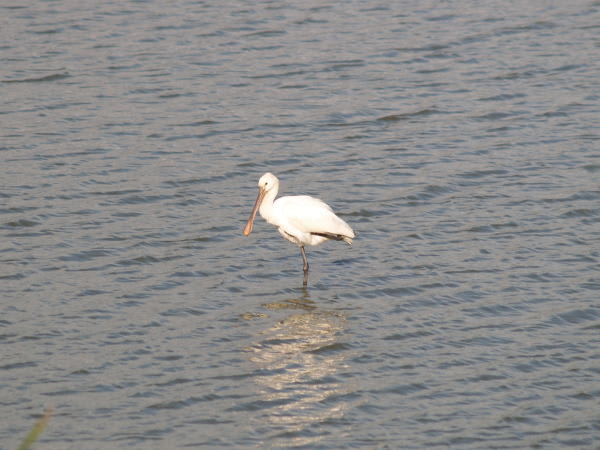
(250, 223)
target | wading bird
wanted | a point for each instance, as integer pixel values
(300, 219)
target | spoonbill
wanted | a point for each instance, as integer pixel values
(300, 219)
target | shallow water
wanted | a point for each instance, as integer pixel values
(460, 141)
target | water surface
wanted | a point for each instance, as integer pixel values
(459, 140)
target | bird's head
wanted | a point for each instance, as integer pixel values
(267, 183)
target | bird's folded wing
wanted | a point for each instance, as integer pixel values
(311, 215)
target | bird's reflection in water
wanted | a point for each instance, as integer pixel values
(300, 357)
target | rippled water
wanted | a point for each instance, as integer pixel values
(459, 139)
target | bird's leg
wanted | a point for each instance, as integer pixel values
(305, 267)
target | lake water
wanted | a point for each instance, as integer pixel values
(460, 140)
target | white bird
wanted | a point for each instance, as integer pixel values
(300, 219)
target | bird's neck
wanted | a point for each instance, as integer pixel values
(266, 207)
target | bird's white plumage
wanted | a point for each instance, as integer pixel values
(298, 217)
(302, 215)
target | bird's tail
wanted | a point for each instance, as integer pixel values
(335, 237)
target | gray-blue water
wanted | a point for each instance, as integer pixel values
(461, 141)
